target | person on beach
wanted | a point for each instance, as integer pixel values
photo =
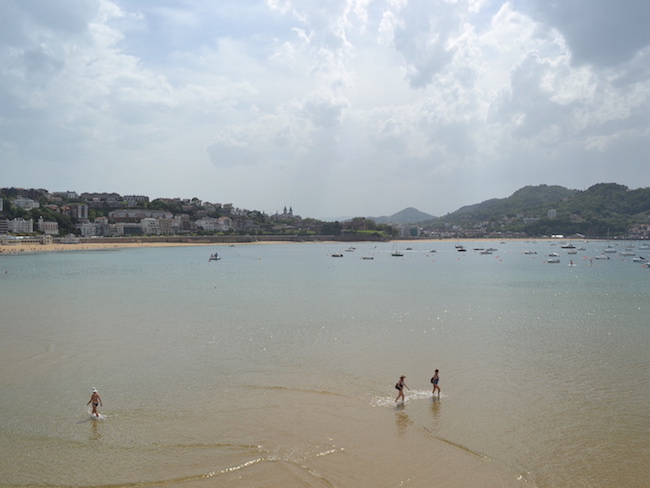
(434, 380)
(96, 400)
(400, 387)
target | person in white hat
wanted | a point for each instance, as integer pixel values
(96, 400)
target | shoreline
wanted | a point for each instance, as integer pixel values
(37, 248)
(85, 245)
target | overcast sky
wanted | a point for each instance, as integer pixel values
(333, 107)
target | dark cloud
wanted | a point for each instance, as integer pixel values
(62, 16)
(598, 32)
(422, 39)
(325, 113)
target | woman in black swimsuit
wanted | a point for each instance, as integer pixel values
(400, 387)
(96, 400)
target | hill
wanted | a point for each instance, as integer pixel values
(527, 200)
(409, 215)
(544, 210)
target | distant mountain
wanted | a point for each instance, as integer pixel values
(409, 215)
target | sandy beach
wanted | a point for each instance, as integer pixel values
(139, 243)
(32, 248)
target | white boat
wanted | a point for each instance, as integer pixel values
(601, 256)
(639, 259)
(214, 257)
(610, 250)
(530, 252)
(337, 255)
(553, 260)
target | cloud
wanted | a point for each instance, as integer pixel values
(346, 107)
(605, 33)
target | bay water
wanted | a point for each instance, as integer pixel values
(276, 366)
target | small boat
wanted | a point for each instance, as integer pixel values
(610, 250)
(214, 257)
(601, 256)
(568, 246)
(639, 259)
(460, 249)
(530, 252)
(487, 251)
(396, 254)
(368, 257)
(337, 255)
(553, 260)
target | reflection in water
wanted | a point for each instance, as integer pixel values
(402, 420)
(95, 430)
(435, 410)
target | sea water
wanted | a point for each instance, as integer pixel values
(276, 366)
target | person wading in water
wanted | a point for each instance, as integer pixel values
(400, 387)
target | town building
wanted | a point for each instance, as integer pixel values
(25, 203)
(21, 226)
(48, 227)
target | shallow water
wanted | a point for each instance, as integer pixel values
(276, 367)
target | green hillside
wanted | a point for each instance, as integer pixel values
(601, 210)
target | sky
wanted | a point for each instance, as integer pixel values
(335, 108)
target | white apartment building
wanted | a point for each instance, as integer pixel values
(89, 229)
(21, 226)
(150, 226)
(25, 203)
(208, 224)
(48, 227)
